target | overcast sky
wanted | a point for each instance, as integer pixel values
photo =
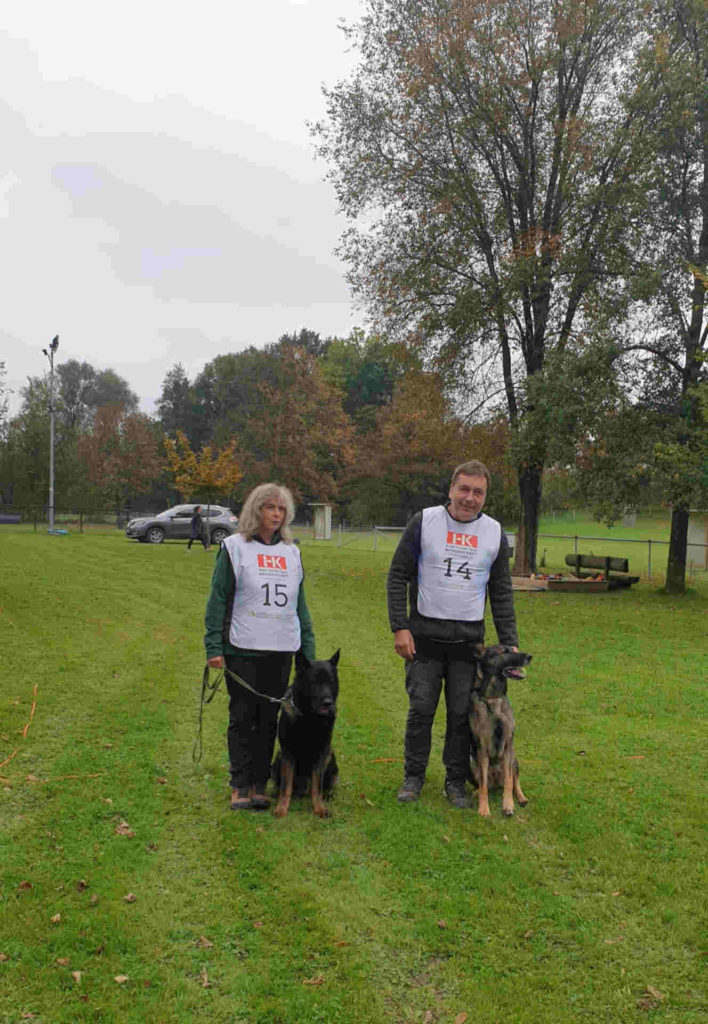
(159, 197)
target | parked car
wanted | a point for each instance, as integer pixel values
(174, 523)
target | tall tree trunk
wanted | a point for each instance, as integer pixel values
(676, 565)
(530, 478)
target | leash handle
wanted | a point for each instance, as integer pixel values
(211, 689)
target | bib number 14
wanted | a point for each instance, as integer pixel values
(279, 595)
(463, 569)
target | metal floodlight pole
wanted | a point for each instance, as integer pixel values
(53, 346)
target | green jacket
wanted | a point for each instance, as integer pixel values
(217, 619)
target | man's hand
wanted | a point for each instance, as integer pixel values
(404, 644)
(217, 662)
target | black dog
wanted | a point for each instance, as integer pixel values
(306, 761)
(492, 759)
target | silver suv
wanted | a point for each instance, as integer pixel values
(174, 523)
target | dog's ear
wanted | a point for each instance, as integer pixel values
(479, 650)
(301, 662)
(335, 658)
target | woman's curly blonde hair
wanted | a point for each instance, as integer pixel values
(250, 519)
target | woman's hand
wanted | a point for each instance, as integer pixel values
(217, 662)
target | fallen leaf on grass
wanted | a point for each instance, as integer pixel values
(162, 781)
(27, 1016)
(651, 999)
(461, 1018)
(611, 942)
(82, 885)
(32, 778)
(203, 977)
(25, 885)
(446, 839)
(124, 829)
(386, 760)
(618, 893)
(130, 897)
(93, 900)
(319, 980)
(655, 992)
(581, 753)
(442, 924)
(257, 924)
(56, 919)
(528, 934)
(76, 975)
(342, 943)
(428, 1017)
(634, 757)
(4, 958)
(204, 943)
(106, 800)
(121, 978)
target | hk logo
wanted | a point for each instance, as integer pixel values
(462, 540)
(272, 562)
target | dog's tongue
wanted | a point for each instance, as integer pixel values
(514, 673)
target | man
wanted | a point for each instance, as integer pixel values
(448, 559)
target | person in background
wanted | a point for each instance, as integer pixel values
(197, 528)
(447, 561)
(256, 619)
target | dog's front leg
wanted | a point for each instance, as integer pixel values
(484, 785)
(287, 776)
(518, 791)
(508, 795)
(318, 805)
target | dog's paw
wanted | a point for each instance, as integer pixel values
(508, 812)
(485, 812)
(280, 811)
(321, 812)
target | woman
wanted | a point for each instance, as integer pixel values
(196, 524)
(256, 619)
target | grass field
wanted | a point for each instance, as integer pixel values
(586, 906)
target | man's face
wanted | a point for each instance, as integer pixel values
(467, 497)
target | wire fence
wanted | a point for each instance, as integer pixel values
(647, 556)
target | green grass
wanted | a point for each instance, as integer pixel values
(575, 910)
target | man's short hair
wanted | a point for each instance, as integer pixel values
(472, 468)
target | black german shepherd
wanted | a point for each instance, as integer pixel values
(306, 761)
(492, 759)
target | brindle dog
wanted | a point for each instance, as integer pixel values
(306, 760)
(492, 759)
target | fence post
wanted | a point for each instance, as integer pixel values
(649, 558)
(374, 548)
(81, 521)
(340, 533)
(34, 517)
(575, 546)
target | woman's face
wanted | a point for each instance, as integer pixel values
(272, 515)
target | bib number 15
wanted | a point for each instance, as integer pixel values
(279, 595)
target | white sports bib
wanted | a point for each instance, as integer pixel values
(454, 564)
(268, 580)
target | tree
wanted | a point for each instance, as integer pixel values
(365, 370)
(671, 276)
(295, 429)
(176, 405)
(120, 454)
(210, 471)
(407, 461)
(495, 138)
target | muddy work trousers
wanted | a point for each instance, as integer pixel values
(425, 679)
(253, 720)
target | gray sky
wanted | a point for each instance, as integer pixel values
(159, 197)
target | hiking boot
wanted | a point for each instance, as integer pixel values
(411, 789)
(455, 792)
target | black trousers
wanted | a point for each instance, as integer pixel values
(424, 683)
(253, 721)
(199, 537)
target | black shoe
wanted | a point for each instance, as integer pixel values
(455, 792)
(411, 789)
(259, 800)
